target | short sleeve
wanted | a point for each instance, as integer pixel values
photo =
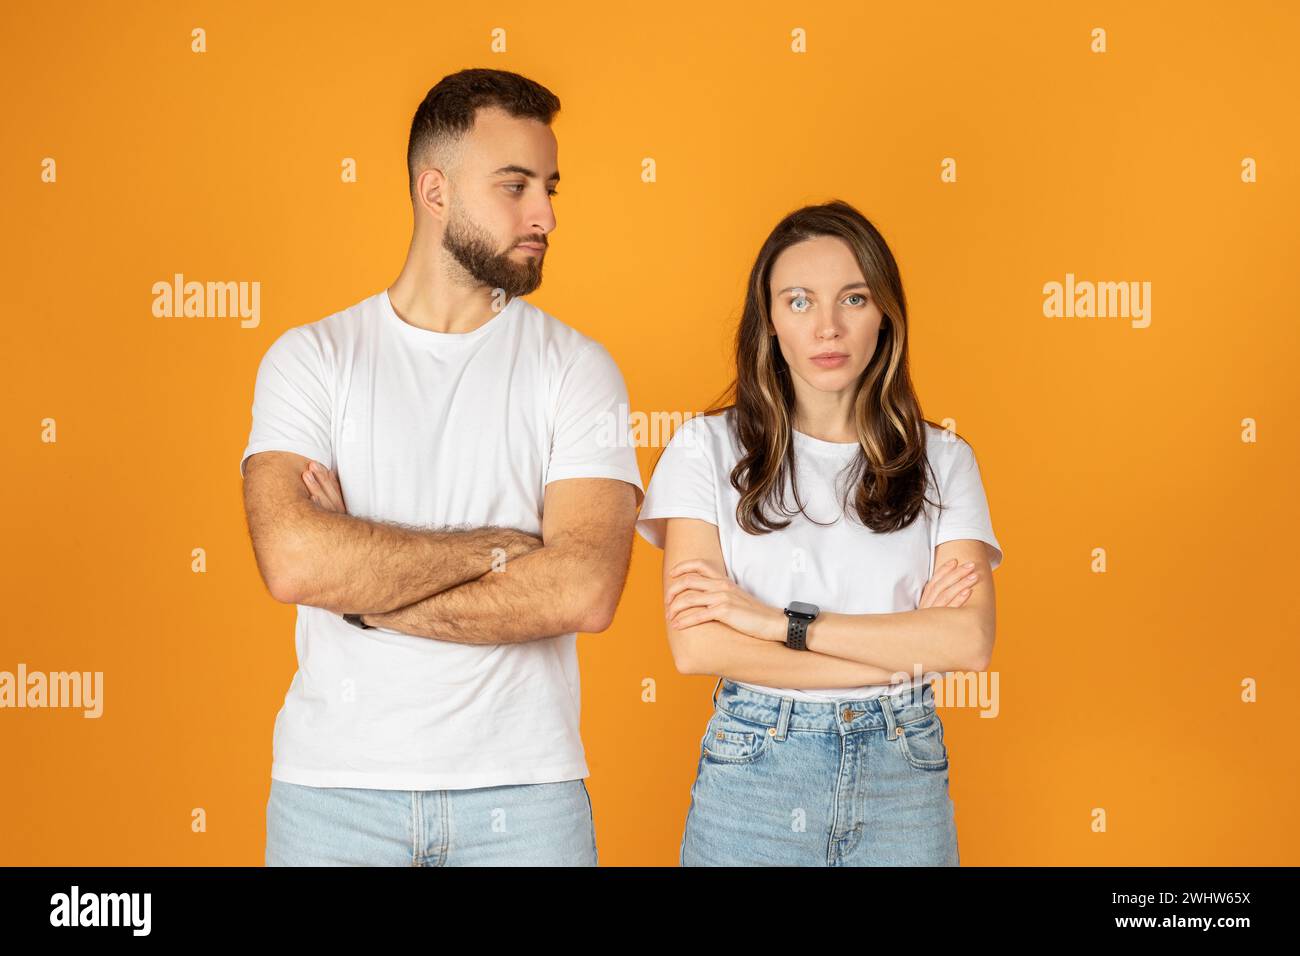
(965, 511)
(682, 485)
(291, 401)
(591, 438)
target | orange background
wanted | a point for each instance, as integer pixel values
(1118, 690)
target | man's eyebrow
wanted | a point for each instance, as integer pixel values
(524, 171)
(851, 285)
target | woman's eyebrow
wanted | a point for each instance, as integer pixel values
(804, 288)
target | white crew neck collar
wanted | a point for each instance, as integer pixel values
(808, 443)
(443, 340)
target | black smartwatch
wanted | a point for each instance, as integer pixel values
(798, 616)
(355, 621)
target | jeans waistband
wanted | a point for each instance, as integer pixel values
(780, 714)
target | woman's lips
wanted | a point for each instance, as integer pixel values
(830, 361)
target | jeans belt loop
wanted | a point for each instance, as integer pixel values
(783, 718)
(887, 710)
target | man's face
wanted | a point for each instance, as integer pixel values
(500, 211)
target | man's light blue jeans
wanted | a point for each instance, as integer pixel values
(541, 824)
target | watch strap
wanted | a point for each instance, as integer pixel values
(796, 633)
(355, 621)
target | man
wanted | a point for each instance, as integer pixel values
(488, 518)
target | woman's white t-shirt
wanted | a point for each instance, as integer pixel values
(843, 566)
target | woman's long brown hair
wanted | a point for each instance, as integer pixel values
(888, 474)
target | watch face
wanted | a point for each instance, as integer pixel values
(800, 609)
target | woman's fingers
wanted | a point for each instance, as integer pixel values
(697, 565)
(927, 592)
(956, 575)
(692, 582)
(691, 618)
(697, 607)
(941, 578)
(962, 586)
(688, 599)
(948, 581)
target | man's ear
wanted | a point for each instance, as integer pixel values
(431, 188)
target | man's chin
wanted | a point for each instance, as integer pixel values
(524, 284)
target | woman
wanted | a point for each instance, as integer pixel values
(824, 618)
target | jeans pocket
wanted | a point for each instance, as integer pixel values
(729, 739)
(921, 742)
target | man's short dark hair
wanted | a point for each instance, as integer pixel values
(448, 110)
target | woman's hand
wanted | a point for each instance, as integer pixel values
(950, 586)
(700, 591)
(324, 487)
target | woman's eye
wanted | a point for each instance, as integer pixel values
(794, 303)
(858, 295)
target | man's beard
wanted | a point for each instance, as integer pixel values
(474, 249)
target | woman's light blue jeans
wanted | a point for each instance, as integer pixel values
(785, 782)
(540, 824)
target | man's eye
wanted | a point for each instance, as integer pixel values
(520, 187)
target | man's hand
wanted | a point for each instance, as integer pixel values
(327, 493)
(571, 584)
(324, 486)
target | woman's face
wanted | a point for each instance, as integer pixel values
(826, 319)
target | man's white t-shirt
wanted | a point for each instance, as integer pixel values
(843, 566)
(437, 430)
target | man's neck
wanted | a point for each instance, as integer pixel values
(438, 303)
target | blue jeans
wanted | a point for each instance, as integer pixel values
(539, 824)
(785, 782)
